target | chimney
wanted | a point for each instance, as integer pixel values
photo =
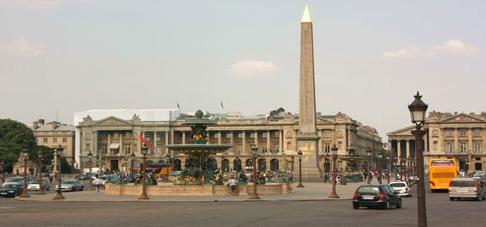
(35, 125)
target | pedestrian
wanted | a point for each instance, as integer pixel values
(233, 184)
(370, 177)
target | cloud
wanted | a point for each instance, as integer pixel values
(21, 48)
(450, 47)
(253, 68)
(455, 47)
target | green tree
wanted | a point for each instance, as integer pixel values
(47, 154)
(14, 138)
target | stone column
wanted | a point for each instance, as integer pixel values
(470, 145)
(231, 163)
(172, 136)
(256, 138)
(269, 144)
(280, 141)
(155, 142)
(183, 137)
(399, 151)
(243, 142)
(94, 141)
(166, 133)
(220, 137)
(407, 143)
(121, 144)
(108, 150)
(232, 141)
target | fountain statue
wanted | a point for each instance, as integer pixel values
(200, 167)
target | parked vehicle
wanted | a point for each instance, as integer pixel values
(380, 196)
(402, 188)
(10, 190)
(14, 180)
(35, 186)
(71, 185)
(462, 188)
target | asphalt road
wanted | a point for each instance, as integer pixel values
(441, 212)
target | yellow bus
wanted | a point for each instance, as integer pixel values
(441, 172)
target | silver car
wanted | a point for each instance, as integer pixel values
(472, 188)
(71, 185)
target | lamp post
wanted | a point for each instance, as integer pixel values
(39, 173)
(25, 158)
(418, 110)
(144, 174)
(254, 152)
(368, 178)
(90, 156)
(334, 150)
(299, 155)
(57, 153)
(379, 159)
(132, 160)
(388, 169)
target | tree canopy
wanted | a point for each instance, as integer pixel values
(15, 137)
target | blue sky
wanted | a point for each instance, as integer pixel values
(370, 56)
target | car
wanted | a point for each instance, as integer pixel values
(35, 186)
(14, 180)
(10, 190)
(379, 196)
(467, 188)
(402, 188)
(71, 185)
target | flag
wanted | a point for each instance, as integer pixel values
(145, 141)
(178, 107)
(222, 105)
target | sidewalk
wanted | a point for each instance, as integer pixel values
(311, 191)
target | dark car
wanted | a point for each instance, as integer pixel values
(10, 190)
(379, 196)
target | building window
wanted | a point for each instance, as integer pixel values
(54, 140)
(327, 148)
(462, 132)
(477, 146)
(434, 145)
(463, 146)
(44, 140)
(228, 135)
(264, 135)
(448, 132)
(449, 146)
(477, 132)
(64, 140)
(126, 147)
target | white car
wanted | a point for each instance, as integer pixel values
(34, 185)
(401, 188)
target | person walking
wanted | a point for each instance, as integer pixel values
(370, 177)
(233, 184)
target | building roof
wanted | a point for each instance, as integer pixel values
(128, 114)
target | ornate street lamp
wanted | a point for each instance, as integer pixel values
(299, 155)
(132, 159)
(334, 150)
(57, 153)
(368, 178)
(379, 159)
(25, 158)
(144, 174)
(90, 156)
(418, 111)
(254, 152)
(39, 173)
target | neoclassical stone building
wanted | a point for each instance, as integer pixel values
(55, 134)
(452, 135)
(113, 135)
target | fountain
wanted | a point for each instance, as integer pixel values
(198, 152)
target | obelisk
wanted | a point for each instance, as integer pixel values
(307, 139)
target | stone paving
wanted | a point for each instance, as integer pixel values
(310, 191)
